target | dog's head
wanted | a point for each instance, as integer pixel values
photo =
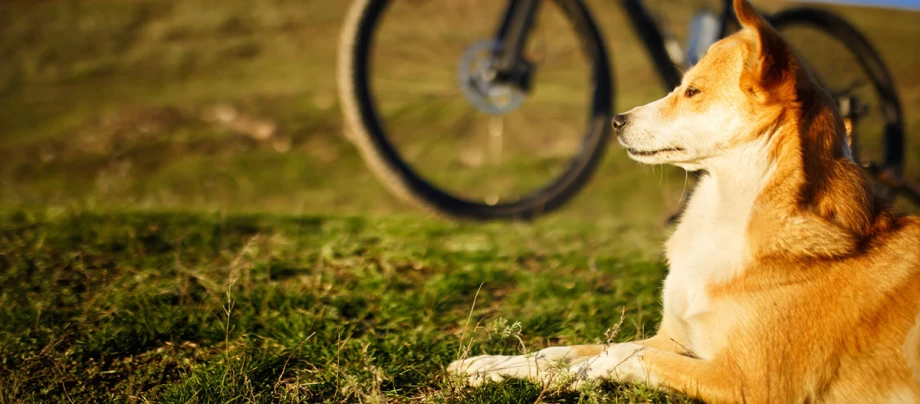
(728, 99)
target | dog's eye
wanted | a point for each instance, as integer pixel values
(691, 91)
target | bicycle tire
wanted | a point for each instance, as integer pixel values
(366, 132)
(871, 64)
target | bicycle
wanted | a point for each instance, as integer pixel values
(496, 77)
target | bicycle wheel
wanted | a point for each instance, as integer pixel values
(851, 71)
(404, 74)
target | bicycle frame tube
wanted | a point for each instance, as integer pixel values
(728, 15)
(508, 62)
(647, 29)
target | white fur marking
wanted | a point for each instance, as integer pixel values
(709, 246)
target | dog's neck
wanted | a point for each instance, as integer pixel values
(818, 203)
(784, 194)
(799, 190)
(711, 234)
(741, 174)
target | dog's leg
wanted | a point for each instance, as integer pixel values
(709, 380)
(550, 363)
(544, 365)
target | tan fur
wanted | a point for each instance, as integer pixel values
(789, 280)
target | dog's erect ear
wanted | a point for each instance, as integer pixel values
(746, 14)
(772, 55)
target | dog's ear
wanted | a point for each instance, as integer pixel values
(772, 56)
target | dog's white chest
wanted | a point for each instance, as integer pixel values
(708, 247)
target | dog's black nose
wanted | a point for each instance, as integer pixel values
(619, 121)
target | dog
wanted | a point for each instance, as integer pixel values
(788, 281)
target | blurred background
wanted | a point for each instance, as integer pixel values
(231, 105)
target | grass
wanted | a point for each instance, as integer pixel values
(178, 307)
(152, 249)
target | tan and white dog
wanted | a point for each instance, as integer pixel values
(789, 281)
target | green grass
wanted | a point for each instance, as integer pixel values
(177, 307)
(151, 252)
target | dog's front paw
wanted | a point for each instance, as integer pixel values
(480, 369)
(549, 365)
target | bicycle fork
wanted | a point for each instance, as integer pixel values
(509, 66)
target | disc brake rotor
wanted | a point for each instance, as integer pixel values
(477, 81)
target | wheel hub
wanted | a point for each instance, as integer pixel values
(477, 81)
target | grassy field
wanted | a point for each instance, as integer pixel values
(153, 251)
(178, 307)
